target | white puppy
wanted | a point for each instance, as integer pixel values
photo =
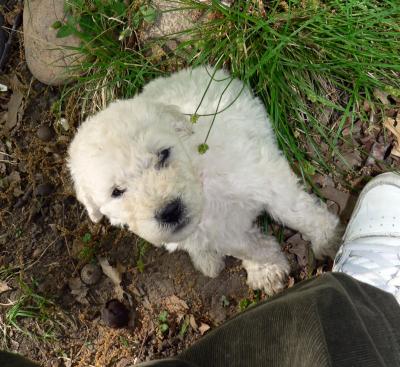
(137, 162)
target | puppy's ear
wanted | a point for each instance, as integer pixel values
(180, 121)
(92, 209)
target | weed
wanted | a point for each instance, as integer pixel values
(112, 60)
(142, 248)
(31, 314)
(18, 232)
(88, 252)
(163, 322)
(245, 303)
(86, 238)
(302, 60)
(124, 341)
(184, 326)
(225, 302)
(7, 272)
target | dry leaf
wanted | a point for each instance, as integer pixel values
(203, 328)
(176, 305)
(377, 153)
(339, 197)
(15, 106)
(110, 271)
(192, 322)
(115, 275)
(345, 200)
(350, 158)
(394, 127)
(320, 270)
(299, 247)
(119, 292)
(382, 96)
(323, 180)
(4, 287)
(79, 290)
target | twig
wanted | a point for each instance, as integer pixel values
(7, 47)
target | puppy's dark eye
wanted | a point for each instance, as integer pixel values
(117, 192)
(163, 156)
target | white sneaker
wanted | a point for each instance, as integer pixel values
(371, 244)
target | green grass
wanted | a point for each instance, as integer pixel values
(142, 247)
(302, 58)
(88, 252)
(111, 61)
(30, 314)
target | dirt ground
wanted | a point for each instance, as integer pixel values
(47, 311)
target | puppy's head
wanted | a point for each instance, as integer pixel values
(129, 164)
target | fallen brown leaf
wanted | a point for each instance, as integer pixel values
(291, 282)
(114, 275)
(339, 197)
(377, 153)
(193, 323)
(176, 305)
(382, 96)
(345, 200)
(15, 106)
(110, 271)
(79, 290)
(203, 328)
(299, 247)
(393, 125)
(349, 159)
(4, 287)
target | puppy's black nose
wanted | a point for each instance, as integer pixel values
(171, 213)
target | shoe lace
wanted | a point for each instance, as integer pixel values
(377, 265)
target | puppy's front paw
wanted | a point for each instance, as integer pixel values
(269, 277)
(210, 264)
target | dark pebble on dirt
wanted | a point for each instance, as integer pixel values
(90, 274)
(44, 189)
(45, 133)
(115, 314)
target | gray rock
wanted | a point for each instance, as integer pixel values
(45, 133)
(44, 189)
(91, 274)
(171, 22)
(45, 54)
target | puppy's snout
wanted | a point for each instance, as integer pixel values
(172, 213)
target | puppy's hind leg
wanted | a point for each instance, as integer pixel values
(294, 207)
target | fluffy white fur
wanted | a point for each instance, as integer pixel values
(223, 191)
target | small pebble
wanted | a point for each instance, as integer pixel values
(45, 133)
(90, 274)
(115, 314)
(44, 189)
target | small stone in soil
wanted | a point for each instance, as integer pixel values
(115, 314)
(90, 274)
(44, 189)
(45, 133)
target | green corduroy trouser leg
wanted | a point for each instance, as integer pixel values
(332, 320)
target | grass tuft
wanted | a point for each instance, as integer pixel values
(304, 59)
(312, 62)
(32, 315)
